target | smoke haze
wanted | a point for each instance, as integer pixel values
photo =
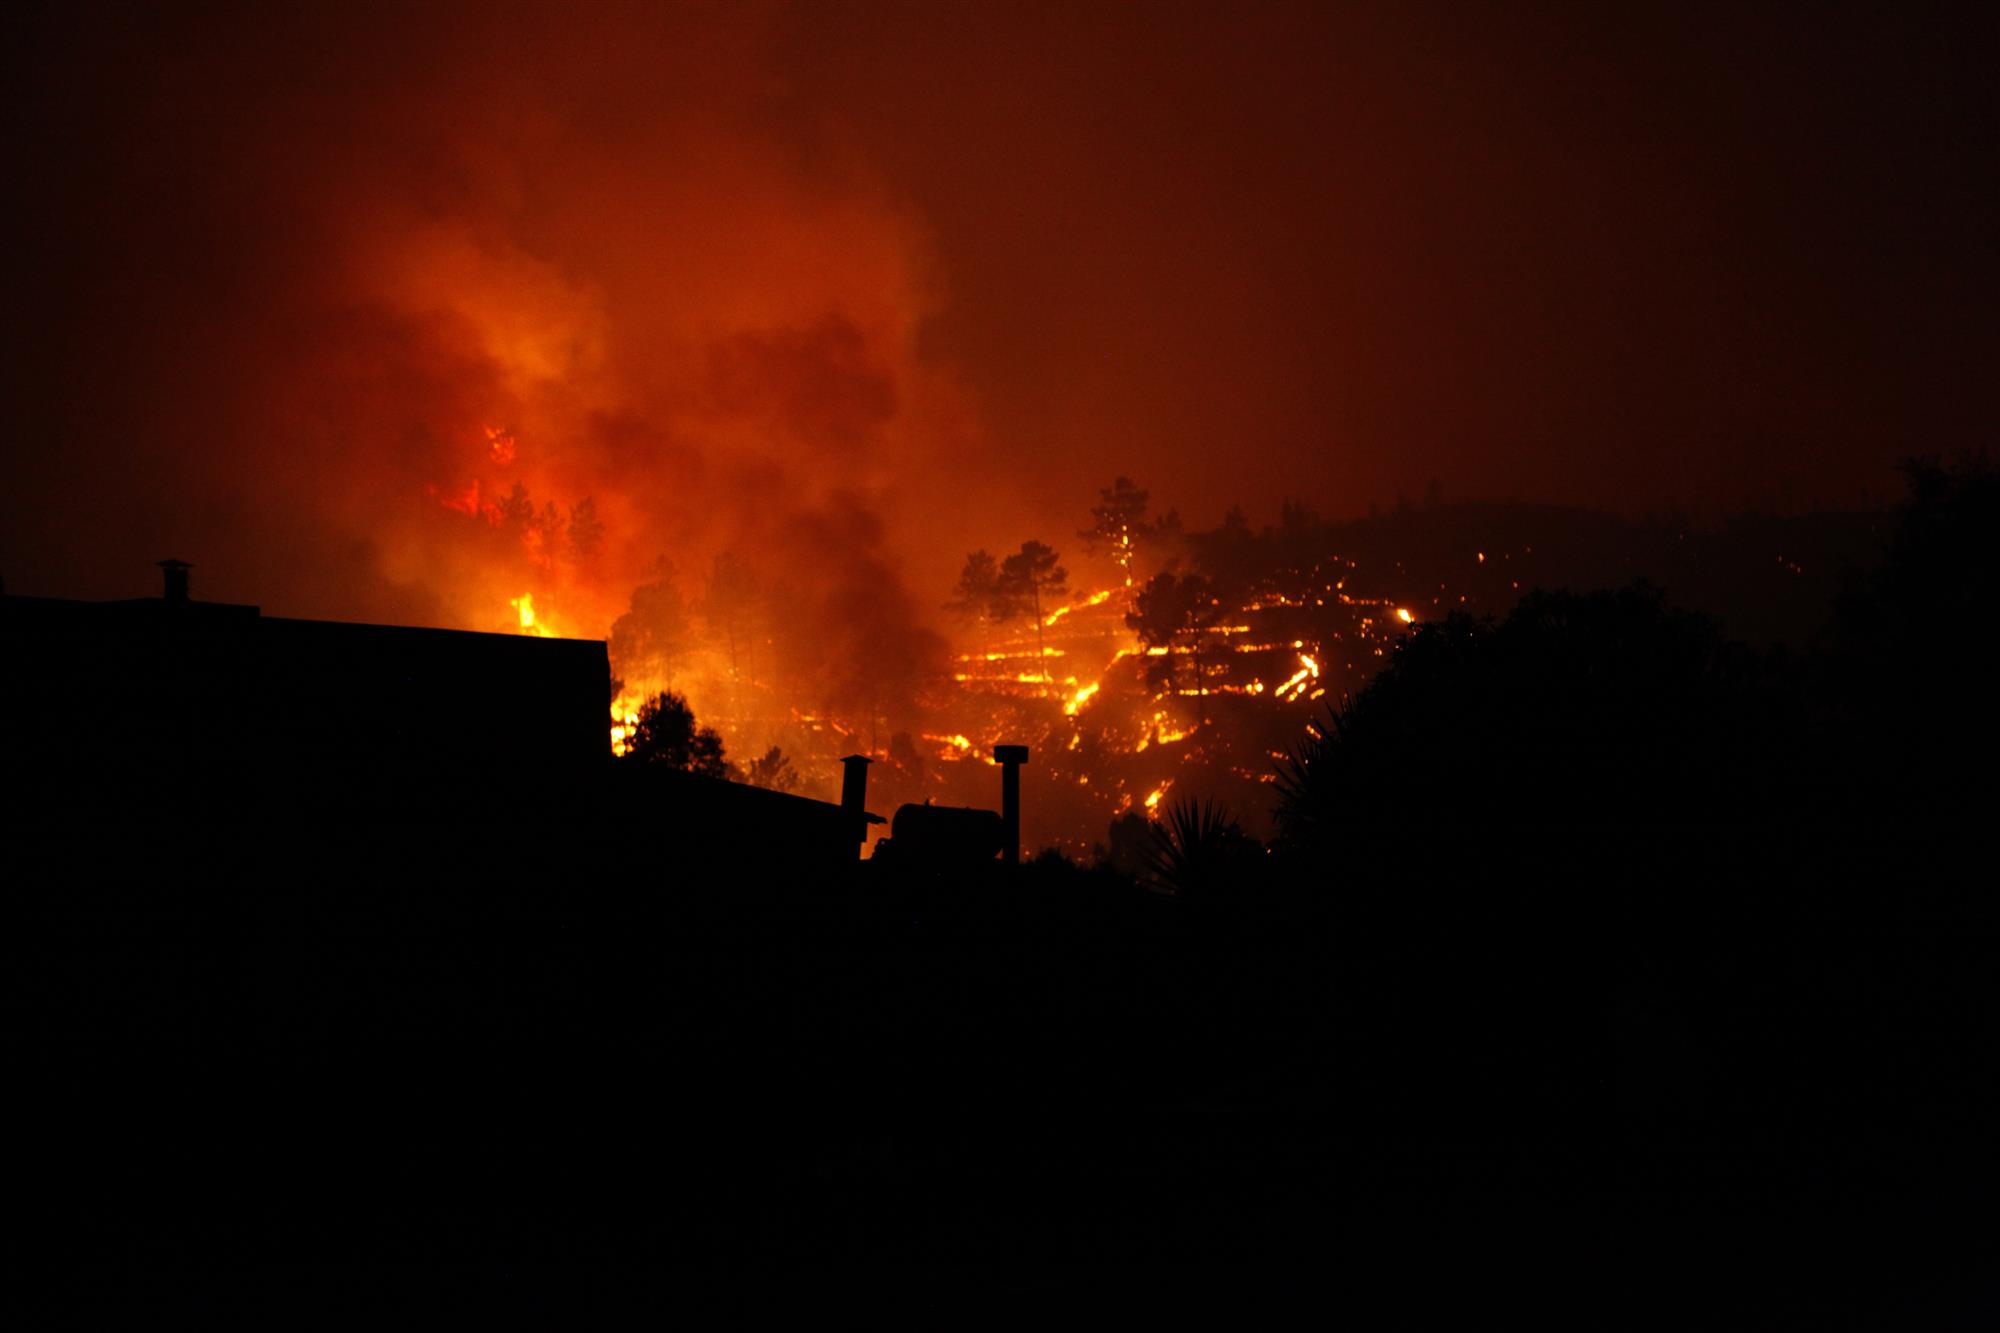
(360, 310)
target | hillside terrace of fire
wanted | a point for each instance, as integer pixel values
(1206, 699)
(299, 715)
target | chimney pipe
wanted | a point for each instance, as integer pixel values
(1010, 758)
(176, 572)
(854, 796)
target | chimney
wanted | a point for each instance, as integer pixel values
(176, 592)
(1010, 758)
(854, 796)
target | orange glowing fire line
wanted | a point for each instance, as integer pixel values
(1095, 599)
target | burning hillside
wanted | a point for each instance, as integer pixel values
(1123, 693)
(1209, 665)
(704, 332)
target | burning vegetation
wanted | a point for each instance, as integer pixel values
(1179, 676)
(1188, 664)
(632, 353)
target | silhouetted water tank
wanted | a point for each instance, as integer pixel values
(944, 834)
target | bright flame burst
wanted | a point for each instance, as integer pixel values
(1403, 614)
(524, 608)
(621, 732)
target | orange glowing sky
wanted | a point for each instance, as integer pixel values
(898, 280)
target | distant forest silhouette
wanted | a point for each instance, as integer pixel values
(1584, 930)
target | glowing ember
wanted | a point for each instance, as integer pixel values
(1403, 615)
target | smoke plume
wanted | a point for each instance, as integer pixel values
(421, 317)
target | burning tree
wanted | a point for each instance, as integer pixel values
(1118, 524)
(666, 734)
(1024, 577)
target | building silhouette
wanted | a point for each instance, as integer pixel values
(180, 708)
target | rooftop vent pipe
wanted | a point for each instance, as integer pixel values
(1010, 758)
(176, 572)
(854, 796)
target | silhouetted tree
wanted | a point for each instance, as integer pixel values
(1118, 523)
(586, 530)
(666, 734)
(1230, 556)
(732, 604)
(649, 639)
(904, 755)
(1128, 845)
(772, 769)
(516, 508)
(1170, 611)
(978, 592)
(1594, 706)
(1024, 577)
(1916, 643)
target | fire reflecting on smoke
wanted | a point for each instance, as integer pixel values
(1115, 733)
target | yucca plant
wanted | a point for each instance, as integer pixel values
(1197, 849)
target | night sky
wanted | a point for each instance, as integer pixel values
(904, 279)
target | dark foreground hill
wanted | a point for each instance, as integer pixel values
(1650, 1067)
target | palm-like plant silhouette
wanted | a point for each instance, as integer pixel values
(1197, 850)
(1306, 784)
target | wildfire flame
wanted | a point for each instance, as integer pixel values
(1095, 599)
(500, 445)
(621, 731)
(1124, 730)
(1296, 683)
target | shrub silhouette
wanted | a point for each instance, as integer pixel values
(1601, 706)
(666, 734)
(1908, 682)
(1199, 851)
